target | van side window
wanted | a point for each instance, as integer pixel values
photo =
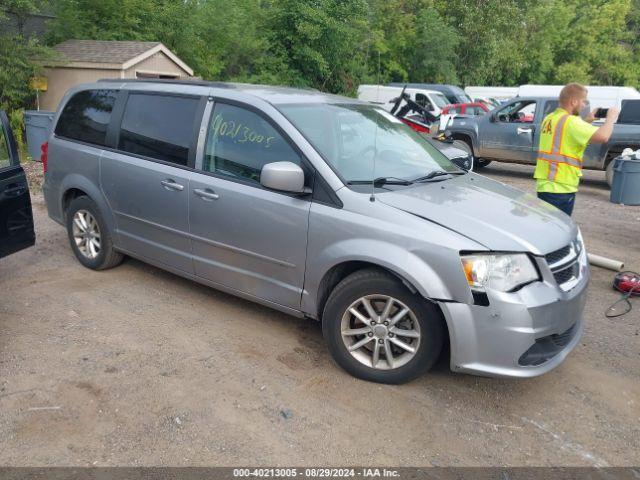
(240, 143)
(86, 116)
(158, 126)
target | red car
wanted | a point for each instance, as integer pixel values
(475, 108)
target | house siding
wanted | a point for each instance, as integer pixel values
(158, 63)
(61, 79)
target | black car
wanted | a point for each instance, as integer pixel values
(16, 219)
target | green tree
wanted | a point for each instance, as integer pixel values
(335, 45)
(430, 56)
(491, 50)
(20, 57)
(230, 44)
(316, 43)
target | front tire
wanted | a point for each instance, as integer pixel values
(377, 330)
(481, 163)
(89, 237)
(478, 163)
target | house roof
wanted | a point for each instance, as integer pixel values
(115, 54)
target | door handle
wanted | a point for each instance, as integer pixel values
(206, 194)
(15, 191)
(524, 130)
(171, 185)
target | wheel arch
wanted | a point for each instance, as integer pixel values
(339, 271)
(468, 138)
(76, 185)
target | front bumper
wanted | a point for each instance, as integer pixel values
(520, 334)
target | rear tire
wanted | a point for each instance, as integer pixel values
(609, 173)
(89, 236)
(384, 344)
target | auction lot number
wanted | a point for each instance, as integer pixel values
(314, 472)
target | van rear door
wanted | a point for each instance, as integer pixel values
(16, 220)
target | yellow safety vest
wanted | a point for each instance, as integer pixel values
(563, 140)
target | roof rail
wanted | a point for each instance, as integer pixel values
(171, 81)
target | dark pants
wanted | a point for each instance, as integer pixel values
(563, 201)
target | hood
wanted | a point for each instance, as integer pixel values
(500, 217)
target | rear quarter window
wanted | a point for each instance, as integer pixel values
(159, 126)
(86, 116)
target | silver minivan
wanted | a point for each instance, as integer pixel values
(323, 207)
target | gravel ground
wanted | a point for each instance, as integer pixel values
(136, 366)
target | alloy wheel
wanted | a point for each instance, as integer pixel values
(86, 234)
(380, 332)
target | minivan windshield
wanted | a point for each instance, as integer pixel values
(350, 136)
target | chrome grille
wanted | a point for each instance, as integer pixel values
(564, 264)
(567, 274)
(554, 257)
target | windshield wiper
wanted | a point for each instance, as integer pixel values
(434, 174)
(380, 181)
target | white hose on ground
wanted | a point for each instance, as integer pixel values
(604, 262)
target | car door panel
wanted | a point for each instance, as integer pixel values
(150, 204)
(249, 238)
(503, 140)
(245, 236)
(16, 219)
(146, 180)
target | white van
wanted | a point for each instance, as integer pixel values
(599, 97)
(501, 93)
(384, 96)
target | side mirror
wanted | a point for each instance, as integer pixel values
(283, 176)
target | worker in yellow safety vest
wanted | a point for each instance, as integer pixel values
(564, 136)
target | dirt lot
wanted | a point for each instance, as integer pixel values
(136, 366)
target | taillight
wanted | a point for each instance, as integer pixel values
(44, 155)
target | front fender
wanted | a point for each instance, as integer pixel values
(397, 259)
(467, 130)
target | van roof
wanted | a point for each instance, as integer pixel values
(268, 93)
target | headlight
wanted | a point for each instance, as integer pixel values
(502, 272)
(579, 243)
